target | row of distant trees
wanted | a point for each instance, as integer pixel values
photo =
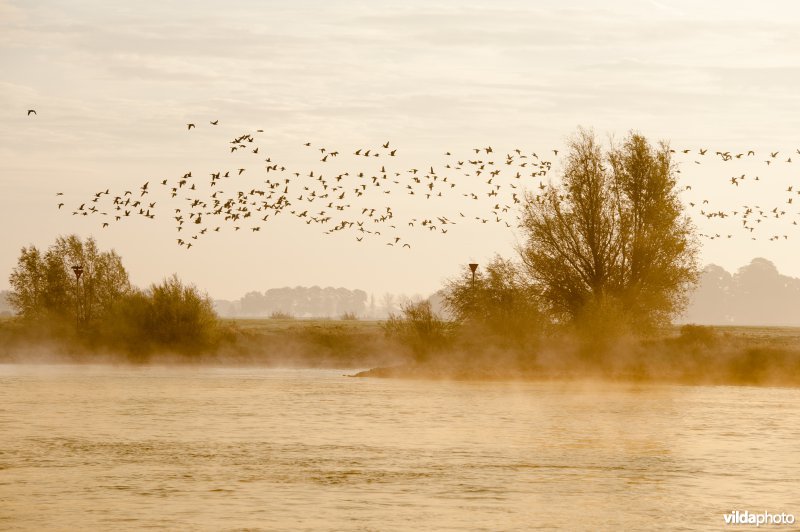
(298, 301)
(756, 294)
(101, 307)
(311, 302)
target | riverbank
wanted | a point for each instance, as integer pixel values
(248, 342)
(759, 356)
(767, 356)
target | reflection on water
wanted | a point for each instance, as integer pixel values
(105, 448)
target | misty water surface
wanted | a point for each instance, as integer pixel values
(227, 449)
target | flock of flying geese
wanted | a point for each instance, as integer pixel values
(751, 216)
(358, 201)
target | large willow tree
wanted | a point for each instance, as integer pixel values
(609, 245)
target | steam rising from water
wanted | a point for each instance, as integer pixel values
(310, 449)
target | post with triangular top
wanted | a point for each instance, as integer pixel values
(78, 271)
(473, 266)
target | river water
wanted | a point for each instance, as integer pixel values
(103, 448)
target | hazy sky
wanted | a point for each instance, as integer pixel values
(114, 84)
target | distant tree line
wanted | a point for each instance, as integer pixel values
(299, 302)
(310, 302)
(756, 294)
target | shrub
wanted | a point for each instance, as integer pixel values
(419, 329)
(499, 308)
(169, 316)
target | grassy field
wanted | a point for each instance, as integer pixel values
(270, 325)
(765, 336)
(777, 336)
(772, 337)
(311, 342)
(262, 342)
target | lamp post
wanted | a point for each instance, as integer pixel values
(78, 271)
